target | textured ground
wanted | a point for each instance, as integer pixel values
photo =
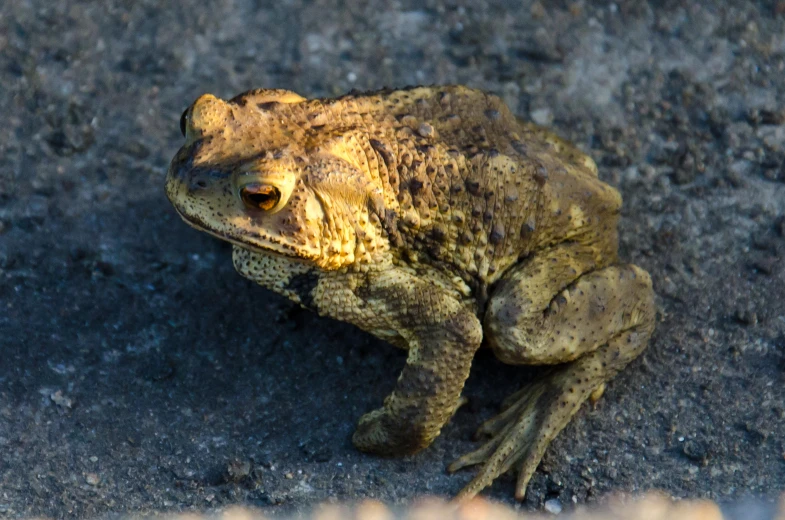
(139, 372)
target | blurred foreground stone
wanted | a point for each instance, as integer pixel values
(654, 506)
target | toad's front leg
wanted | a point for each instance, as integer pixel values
(441, 334)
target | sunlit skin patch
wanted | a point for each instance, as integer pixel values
(436, 220)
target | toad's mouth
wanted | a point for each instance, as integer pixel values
(199, 224)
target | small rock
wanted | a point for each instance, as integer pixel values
(62, 401)
(276, 498)
(765, 265)
(181, 473)
(92, 479)
(746, 316)
(554, 484)
(316, 451)
(696, 451)
(542, 116)
(766, 116)
(237, 470)
(553, 506)
(755, 434)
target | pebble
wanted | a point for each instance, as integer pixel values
(553, 506)
(61, 400)
(237, 470)
(542, 116)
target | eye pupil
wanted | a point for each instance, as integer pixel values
(183, 121)
(260, 196)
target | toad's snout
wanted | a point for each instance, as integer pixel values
(185, 181)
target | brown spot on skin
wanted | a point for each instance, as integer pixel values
(497, 234)
(527, 229)
(473, 186)
(415, 186)
(382, 149)
(540, 176)
(519, 147)
(439, 234)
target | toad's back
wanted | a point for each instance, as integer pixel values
(473, 188)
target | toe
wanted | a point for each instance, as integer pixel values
(596, 394)
(475, 457)
(502, 423)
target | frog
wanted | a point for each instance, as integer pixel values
(437, 220)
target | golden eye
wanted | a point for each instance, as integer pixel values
(260, 196)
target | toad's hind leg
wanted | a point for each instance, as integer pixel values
(588, 332)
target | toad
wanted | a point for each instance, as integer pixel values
(436, 220)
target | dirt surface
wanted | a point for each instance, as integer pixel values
(138, 372)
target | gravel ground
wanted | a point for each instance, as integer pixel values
(138, 372)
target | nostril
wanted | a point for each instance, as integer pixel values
(196, 185)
